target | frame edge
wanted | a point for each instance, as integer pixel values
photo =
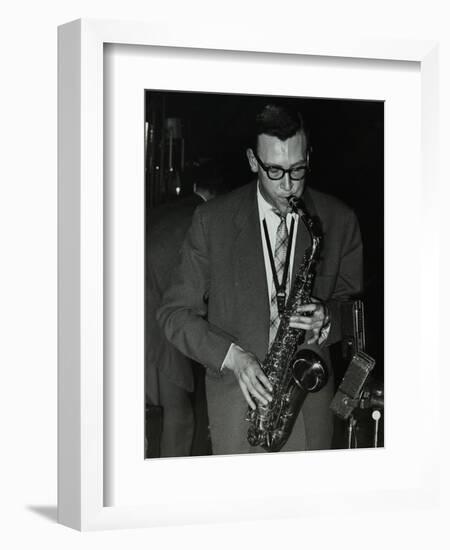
(77, 507)
(69, 256)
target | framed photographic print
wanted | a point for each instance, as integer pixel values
(169, 150)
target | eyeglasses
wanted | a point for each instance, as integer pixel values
(277, 173)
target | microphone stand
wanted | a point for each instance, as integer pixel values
(353, 393)
(368, 399)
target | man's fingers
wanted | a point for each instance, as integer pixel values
(255, 389)
(314, 311)
(253, 382)
(296, 322)
(260, 393)
(264, 380)
(305, 323)
(301, 319)
(257, 374)
(307, 307)
(312, 327)
(247, 395)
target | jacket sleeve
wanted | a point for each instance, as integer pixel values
(349, 282)
(183, 314)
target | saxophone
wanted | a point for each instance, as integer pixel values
(292, 373)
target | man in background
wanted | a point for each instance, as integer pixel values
(174, 383)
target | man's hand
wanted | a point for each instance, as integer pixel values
(252, 381)
(316, 319)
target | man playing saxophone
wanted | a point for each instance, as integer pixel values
(237, 263)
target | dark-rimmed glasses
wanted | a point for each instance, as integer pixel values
(277, 173)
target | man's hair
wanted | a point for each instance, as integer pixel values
(278, 120)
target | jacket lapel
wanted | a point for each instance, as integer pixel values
(250, 276)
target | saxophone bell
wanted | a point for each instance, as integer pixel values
(309, 371)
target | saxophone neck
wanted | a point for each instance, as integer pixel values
(296, 205)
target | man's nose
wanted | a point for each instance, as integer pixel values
(286, 183)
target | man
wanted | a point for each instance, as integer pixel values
(171, 377)
(220, 306)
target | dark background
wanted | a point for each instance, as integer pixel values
(347, 138)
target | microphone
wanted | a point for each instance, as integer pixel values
(349, 392)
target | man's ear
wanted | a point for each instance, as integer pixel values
(252, 161)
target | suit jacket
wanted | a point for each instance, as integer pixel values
(218, 294)
(166, 230)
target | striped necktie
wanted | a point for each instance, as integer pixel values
(281, 244)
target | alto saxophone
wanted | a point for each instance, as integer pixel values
(293, 373)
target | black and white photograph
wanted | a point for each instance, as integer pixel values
(264, 274)
(225, 265)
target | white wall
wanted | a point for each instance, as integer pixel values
(28, 271)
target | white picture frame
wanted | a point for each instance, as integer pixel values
(81, 360)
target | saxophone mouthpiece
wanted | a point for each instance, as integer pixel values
(295, 204)
(292, 200)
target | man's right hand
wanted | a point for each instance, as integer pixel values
(252, 381)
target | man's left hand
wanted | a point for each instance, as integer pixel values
(316, 319)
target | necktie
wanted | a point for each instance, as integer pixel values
(281, 244)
